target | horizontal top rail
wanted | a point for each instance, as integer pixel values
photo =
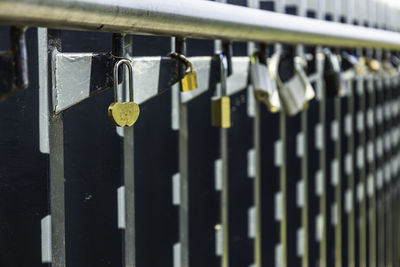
(191, 18)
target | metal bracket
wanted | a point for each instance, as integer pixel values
(76, 76)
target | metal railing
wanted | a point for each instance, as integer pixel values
(188, 18)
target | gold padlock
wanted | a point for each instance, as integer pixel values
(374, 65)
(221, 112)
(123, 113)
(189, 82)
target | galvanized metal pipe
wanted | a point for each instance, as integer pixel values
(188, 18)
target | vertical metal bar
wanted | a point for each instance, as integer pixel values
(322, 158)
(257, 188)
(304, 164)
(225, 194)
(336, 169)
(57, 206)
(361, 159)
(394, 167)
(179, 46)
(393, 170)
(56, 143)
(360, 166)
(362, 186)
(295, 164)
(350, 192)
(371, 173)
(122, 47)
(338, 188)
(269, 168)
(280, 4)
(219, 46)
(350, 184)
(379, 154)
(321, 96)
(283, 188)
(397, 103)
(392, 148)
(312, 196)
(330, 126)
(292, 163)
(179, 122)
(129, 184)
(43, 91)
(388, 179)
(255, 112)
(304, 179)
(379, 171)
(184, 186)
(387, 150)
(397, 164)
(371, 153)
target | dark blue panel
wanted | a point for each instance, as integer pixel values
(156, 161)
(240, 141)
(23, 169)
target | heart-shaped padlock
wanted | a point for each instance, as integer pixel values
(123, 113)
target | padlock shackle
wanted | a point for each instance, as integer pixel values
(126, 62)
(189, 67)
(223, 73)
(188, 64)
(258, 57)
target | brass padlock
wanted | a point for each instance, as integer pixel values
(374, 65)
(221, 112)
(189, 82)
(221, 104)
(361, 66)
(123, 113)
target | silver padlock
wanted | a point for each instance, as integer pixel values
(296, 92)
(265, 89)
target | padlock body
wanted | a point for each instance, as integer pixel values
(374, 65)
(296, 93)
(221, 112)
(123, 113)
(265, 89)
(259, 77)
(189, 82)
(333, 83)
